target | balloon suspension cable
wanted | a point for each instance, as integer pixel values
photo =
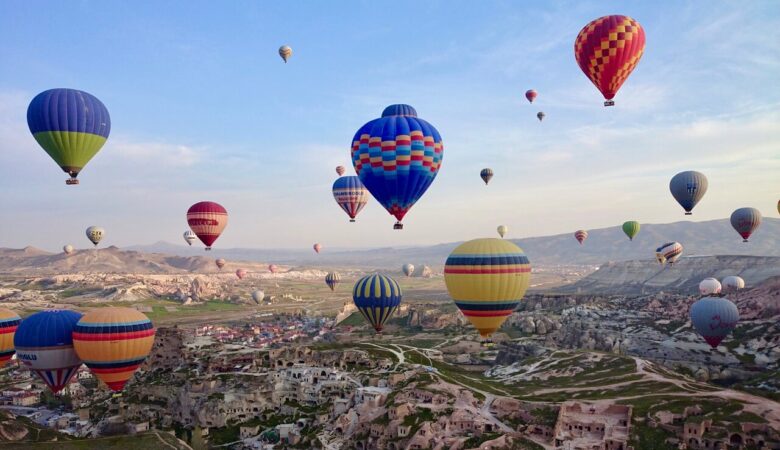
(609, 103)
(72, 181)
(398, 226)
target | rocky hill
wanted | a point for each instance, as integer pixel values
(641, 277)
(713, 237)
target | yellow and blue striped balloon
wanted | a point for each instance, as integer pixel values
(376, 297)
(113, 342)
(9, 321)
(487, 278)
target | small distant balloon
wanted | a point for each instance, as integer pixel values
(285, 52)
(486, 174)
(68, 249)
(540, 115)
(340, 170)
(377, 297)
(530, 95)
(351, 195)
(631, 228)
(669, 253)
(745, 221)
(709, 286)
(241, 273)
(332, 279)
(580, 236)
(714, 318)
(317, 247)
(220, 262)
(408, 269)
(95, 234)
(733, 283)
(502, 230)
(189, 237)
(258, 296)
(688, 188)
(272, 268)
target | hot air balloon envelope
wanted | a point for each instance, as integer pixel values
(745, 221)
(376, 297)
(631, 228)
(70, 125)
(351, 195)
(688, 188)
(709, 286)
(486, 174)
(714, 318)
(487, 278)
(285, 52)
(408, 269)
(397, 157)
(530, 95)
(44, 344)
(207, 220)
(502, 230)
(332, 279)
(607, 50)
(9, 322)
(95, 234)
(113, 342)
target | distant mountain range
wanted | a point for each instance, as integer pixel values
(713, 237)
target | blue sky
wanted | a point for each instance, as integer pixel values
(203, 108)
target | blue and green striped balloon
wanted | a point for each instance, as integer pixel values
(70, 125)
(376, 297)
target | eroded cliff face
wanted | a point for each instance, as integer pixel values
(646, 276)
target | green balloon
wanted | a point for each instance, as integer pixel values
(631, 228)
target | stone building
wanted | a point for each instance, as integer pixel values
(583, 426)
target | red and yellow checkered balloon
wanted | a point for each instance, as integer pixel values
(607, 50)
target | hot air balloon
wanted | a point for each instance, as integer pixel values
(70, 125)
(709, 286)
(733, 283)
(745, 221)
(631, 228)
(258, 296)
(688, 188)
(317, 247)
(502, 230)
(486, 174)
(285, 52)
(44, 344)
(408, 269)
(240, 273)
(207, 220)
(189, 237)
(350, 194)
(487, 278)
(540, 115)
(95, 234)
(332, 279)
(607, 50)
(397, 157)
(340, 170)
(580, 236)
(778, 206)
(670, 252)
(9, 322)
(68, 249)
(220, 262)
(376, 297)
(714, 318)
(530, 95)
(113, 342)
(272, 268)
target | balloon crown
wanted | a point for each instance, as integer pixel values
(399, 110)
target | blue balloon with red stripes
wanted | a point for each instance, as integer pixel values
(44, 344)
(397, 157)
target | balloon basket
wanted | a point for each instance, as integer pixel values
(609, 103)
(398, 226)
(351, 220)
(208, 249)
(688, 213)
(71, 181)
(744, 240)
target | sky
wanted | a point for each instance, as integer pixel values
(203, 108)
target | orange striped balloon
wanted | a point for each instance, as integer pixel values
(9, 321)
(113, 342)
